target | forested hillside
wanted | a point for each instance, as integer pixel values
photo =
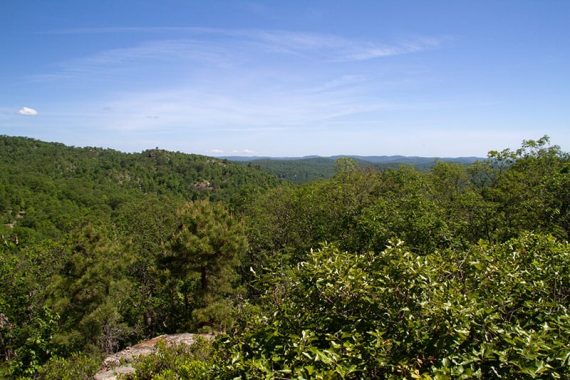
(80, 234)
(459, 271)
(297, 170)
(307, 169)
(48, 188)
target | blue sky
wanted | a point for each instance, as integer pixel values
(287, 78)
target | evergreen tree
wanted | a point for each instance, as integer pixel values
(206, 249)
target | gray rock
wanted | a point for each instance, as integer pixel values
(120, 362)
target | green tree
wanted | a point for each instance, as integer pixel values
(206, 249)
(467, 214)
(531, 190)
(147, 224)
(27, 325)
(92, 293)
(345, 165)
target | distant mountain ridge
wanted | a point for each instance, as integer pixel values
(373, 159)
(412, 159)
(311, 168)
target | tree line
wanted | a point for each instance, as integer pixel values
(460, 271)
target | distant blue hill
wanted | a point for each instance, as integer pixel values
(310, 168)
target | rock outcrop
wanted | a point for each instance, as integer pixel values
(120, 363)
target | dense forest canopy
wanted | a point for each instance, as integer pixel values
(455, 271)
(56, 186)
(307, 169)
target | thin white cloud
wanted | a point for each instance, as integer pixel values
(247, 152)
(230, 80)
(127, 29)
(371, 51)
(231, 106)
(113, 63)
(342, 82)
(336, 48)
(27, 111)
(223, 46)
(216, 151)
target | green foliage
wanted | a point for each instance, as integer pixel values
(301, 170)
(100, 249)
(295, 219)
(532, 191)
(37, 347)
(76, 367)
(493, 311)
(48, 189)
(205, 250)
(309, 169)
(178, 362)
(407, 209)
(27, 324)
(81, 233)
(345, 165)
(91, 293)
(450, 206)
(148, 224)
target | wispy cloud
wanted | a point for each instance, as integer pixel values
(126, 29)
(27, 111)
(186, 51)
(229, 108)
(107, 63)
(214, 81)
(335, 48)
(322, 46)
(343, 82)
(370, 51)
(247, 152)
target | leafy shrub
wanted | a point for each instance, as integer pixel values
(493, 311)
(76, 367)
(175, 362)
